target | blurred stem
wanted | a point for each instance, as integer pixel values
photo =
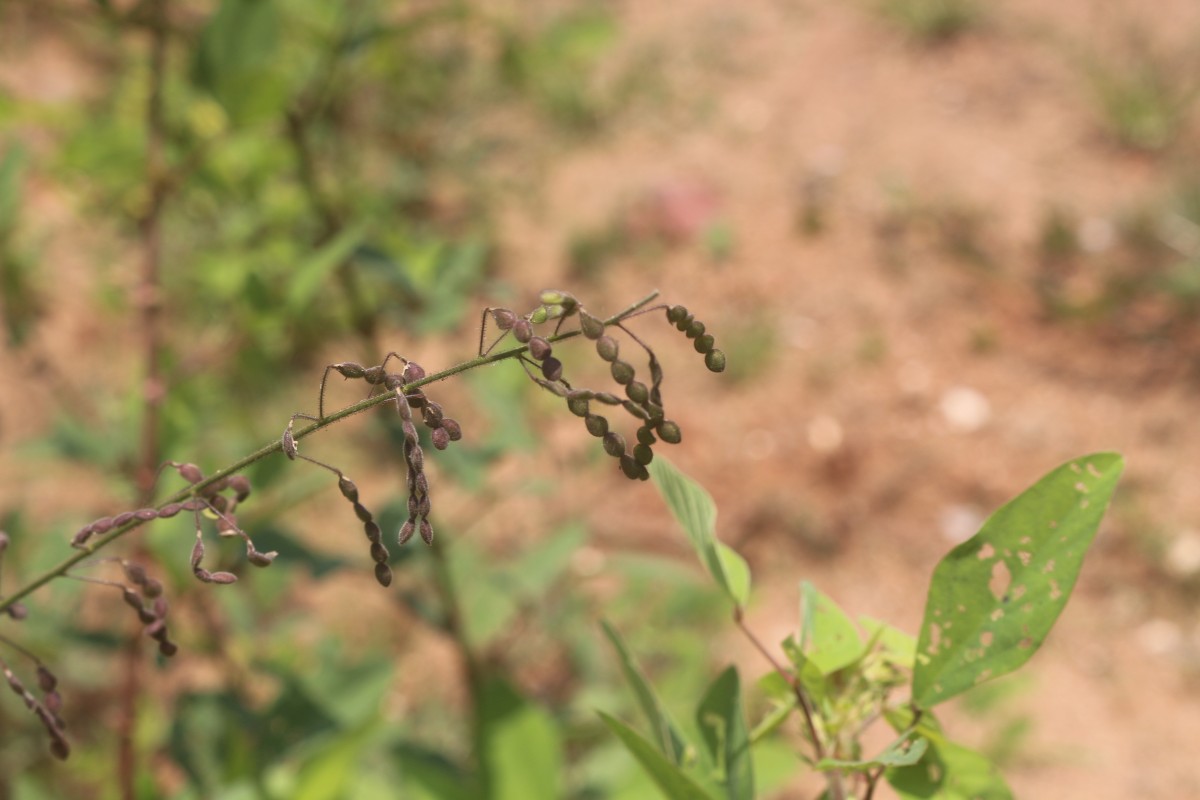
(276, 446)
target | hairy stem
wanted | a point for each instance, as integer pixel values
(276, 446)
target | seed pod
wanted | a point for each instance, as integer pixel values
(630, 467)
(379, 553)
(190, 473)
(146, 514)
(596, 424)
(676, 314)
(715, 361)
(347, 488)
(349, 369)
(577, 402)
(683, 324)
(241, 486)
(374, 375)
(197, 552)
(622, 372)
(383, 574)
(440, 438)
(504, 318)
(646, 436)
(18, 611)
(46, 679)
(169, 510)
(637, 392)
(219, 504)
(152, 588)
(413, 372)
(655, 412)
(52, 700)
(3, 541)
(371, 529)
(539, 348)
(102, 525)
(431, 414)
(424, 506)
(592, 327)
(552, 369)
(261, 559)
(426, 531)
(614, 444)
(122, 518)
(59, 748)
(416, 399)
(406, 531)
(168, 649)
(132, 599)
(393, 382)
(362, 513)
(608, 398)
(145, 616)
(695, 328)
(669, 432)
(636, 410)
(522, 331)
(452, 428)
(416, 459)
(704, 344)
(223, 578)
(642, 454)
(557, 310)
(607, 348)
(539, 315)
(136, 573)
(549, 297)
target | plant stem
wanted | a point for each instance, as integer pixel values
(276, 447)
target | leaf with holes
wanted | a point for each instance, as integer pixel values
(994, 598)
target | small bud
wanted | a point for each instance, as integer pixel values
(552, 369)
(704, 344)
(539, 348)
(349, 369)
(577, 402)
(539, 316)
(592, 327)
(452, 428)
(642, 454)
(715, 361)
(614, 444)
(348, 489)
(426, 531)
(383, 574)
(637, 392)
(676, 314)
(622, 372)
(406, 532)
(607, 348)
(413, 372)
(669, 432)
(440, 438)
(522, 331)
(504, 318)
(695, 328)
(596, 424)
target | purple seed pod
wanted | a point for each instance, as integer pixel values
(169, 510)
(146, 514)
(18, 611)
(413, 372)
(349, 369)
(522, 331)
(219, 503)
(676, 314)
(539, 348)
(348, 489)
(440, 437)
(552, 369)
(146, 616)
(193, 505)
(694, 329)
(592, 327)
(155, 628)
(132, 599)
(383, 574)
(406, 532)
(223, 578)
(642, 454)
(412, 506)
(596, 424)
(167, 648)
(227, 524)
(704, 344)
(607, 348)
(416, 399)
(202, 574)
(81, 536)
(374, 375)
(393, 381)
(379, 553)
(622, 372)
(46, 679)
(614, 444)
(261, 559)
(431, 414)
(136, 573)
(190, 473)
(505, 319)
(410, 434)
(362, 512)
(160, 607)
(152, 588)
(669, 432)
(122, 518)
(715, 361)
(197, 552)
(453, 429)
(416, 459)
(241, 486)
(424, 506)
(426, 531)
(52, 700)
(420, 484)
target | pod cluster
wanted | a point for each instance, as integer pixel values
(694, 329)
(145, 596)
(46, 708)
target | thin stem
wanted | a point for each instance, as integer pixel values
(277, 446)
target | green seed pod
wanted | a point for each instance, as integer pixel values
(669, 432)
(715, 360)
(539, 315)
(522, 331)
(592, 327)
(704, 344)
(551, 297)
(637, 392)
(596, 424)
(682, 325)
(555, 311)
(636, 410)
(614, 444)
(622, 372)
(552, 369)
(607, 348)
(646, 436)
(577, 402)
(695, 328)
(608, 398)
(655, 412)
(504, 318)
(642, 454)
(676, 314)
(630, 467)
(539, 348)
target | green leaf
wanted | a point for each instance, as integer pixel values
(332, 770)
(723, 728)
(696, 513)
(428, 775)
(666, 733)
(949, 772)
(994, 598)
(521, 754)
(828, 636)
(673, 782)
(309, 277)
(236, 60)
(894, 755)
(900, 646)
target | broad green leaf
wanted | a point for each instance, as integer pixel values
(901, 646)
(994, 598)
(696, 513)
(521, 752)
(334, 767)
(828, 637)
(949, 772)
(666, 733)
(723, 728)
(236, 60)
(897, 754)
(313, 273)
(673, 782)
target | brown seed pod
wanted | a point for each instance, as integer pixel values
(413, 372)
(440, 438)
(539, 348)
(416, 398)
(596, 424)
(136, 573)
(552, 369)
(375, 375)
(46, 679)
(669, 432)
(608, 398)
(152, 588)
(642, 454)
(504, 318)
(704, 344)
(695, 328)
(592, 327)
(349, 369)
(383, 574)
(577, 402)
(431, 414)
(168, 649)
(630, 467)
(406, 531)
(379, 553)
(676, 314)
(18, 611)
(261, 559)
(362, 512)
(190, 473)
(614, 444)
(637, 392)
(522, 331)
(223, 578)
(371, 529)
(426, 531)
(622, 372)
(347, 488)
(607, 348)
(646, 436)
(715, 361)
